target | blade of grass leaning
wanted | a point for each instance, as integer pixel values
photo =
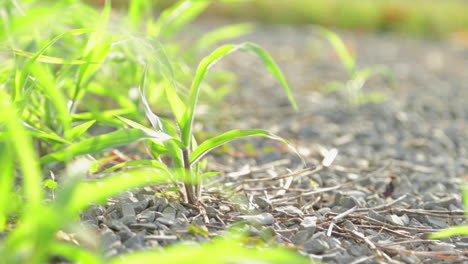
(21, 78)
(177, 105)
(219, 140)
(271, 65)
(170, 88)
(97, 55)
(49, 135)
(23, 151)
(6, 181)
(97, 36)
(156, 135)
(451, 231)
(49, 59)
(106, 116)
(153, 118)
(187, 120)
(222, 34)
(96, 50)
(347, 59)
(96, 144)
(79, 130)
(46, 79)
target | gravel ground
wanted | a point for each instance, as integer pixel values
(380, 177)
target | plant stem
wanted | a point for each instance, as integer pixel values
(190, 187)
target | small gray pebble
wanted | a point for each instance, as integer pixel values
(309, 223)
(441, 247)
(143, 226)
(135, 242)
(315, 246)
(140, 205)
(262, 203)
(160, 203)
(398, 220)
(127, 209)
(349, 225)
(146, 216)
(290, 210)
(262, 219)
(300, 237)
(129, 220)
(166, 220)
(374, 215)
(436, 223)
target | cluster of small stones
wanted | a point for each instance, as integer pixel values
(143, 221)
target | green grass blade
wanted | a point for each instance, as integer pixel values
(168, 85)
(222, 34)
(155, 135)
(24, 151)
(451, 231)
(96, 50)
(48, 136)
(97, 55)
(96, 37)
(219, 140)
(21, 78)
(96, 144)
(79, 130)
(271, 65)
(99, 191)
(347, 59)
(52, 42)
(177, 105)
(48, 83)
(48, 59)
(107, 116)
(187, 120)
(153, 118)
(6, 182)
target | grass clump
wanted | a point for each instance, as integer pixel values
(69, 78)
(357, 77)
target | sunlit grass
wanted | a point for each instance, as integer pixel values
(69, 76)
(76, 81)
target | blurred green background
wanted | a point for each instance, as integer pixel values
(426, 18)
